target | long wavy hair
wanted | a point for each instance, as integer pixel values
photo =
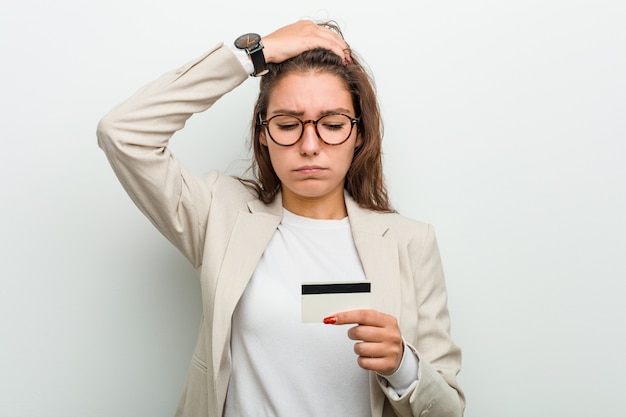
(364, 180)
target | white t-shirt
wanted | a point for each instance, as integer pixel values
(281, 366)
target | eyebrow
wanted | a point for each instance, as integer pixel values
(320, 114)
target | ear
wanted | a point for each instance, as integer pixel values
(359, 141)
(263, 138)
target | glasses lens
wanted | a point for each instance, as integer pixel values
(334, 128)
(285, 130)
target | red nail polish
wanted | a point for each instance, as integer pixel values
(330, 320)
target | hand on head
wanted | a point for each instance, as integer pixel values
(304, 35)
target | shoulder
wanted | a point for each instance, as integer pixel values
(391, 223)
(404, 221)
(405, 228)
(387, 224)
(228, 189)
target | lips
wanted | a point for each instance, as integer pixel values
(309, 169)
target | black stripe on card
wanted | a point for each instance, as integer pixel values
(336, 288)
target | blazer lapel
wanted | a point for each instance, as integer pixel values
(379, 257)
(380, 260)
(251, 234)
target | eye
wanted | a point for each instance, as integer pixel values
(286, 123)
(287, 126)
(334, 126)
(334, 122)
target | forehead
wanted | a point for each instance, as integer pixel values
(309, 93)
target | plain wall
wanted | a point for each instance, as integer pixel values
(505, 128)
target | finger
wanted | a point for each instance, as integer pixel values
(367, 350)
(368, 363)
(322, 36)
(301, 36)
(362, 317)
(334, 41)
(383, 366)
(375, 357)
(368, 333)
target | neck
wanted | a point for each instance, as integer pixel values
(322, 208)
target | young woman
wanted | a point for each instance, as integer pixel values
(314, 210)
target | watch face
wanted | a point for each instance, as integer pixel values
(248, 40)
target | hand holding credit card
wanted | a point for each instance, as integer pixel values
(321, 299)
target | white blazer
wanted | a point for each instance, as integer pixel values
(223, 229)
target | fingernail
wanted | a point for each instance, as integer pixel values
(330, 320)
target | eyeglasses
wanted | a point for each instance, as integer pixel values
(332, 129)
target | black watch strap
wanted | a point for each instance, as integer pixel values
(251, 43)
(258, 60)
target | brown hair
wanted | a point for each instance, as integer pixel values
(364, 179)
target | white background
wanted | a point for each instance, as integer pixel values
(505, 128)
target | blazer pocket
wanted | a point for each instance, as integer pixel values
(194, 399)
(198, 363)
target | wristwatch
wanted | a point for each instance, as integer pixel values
(251, 43)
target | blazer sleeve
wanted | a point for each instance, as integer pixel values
(134, 135)
(436, 393)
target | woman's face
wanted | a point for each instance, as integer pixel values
(310, 170)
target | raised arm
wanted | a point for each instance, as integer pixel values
(135, 134)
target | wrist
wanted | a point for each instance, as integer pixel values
(251, 43)
(407, 372)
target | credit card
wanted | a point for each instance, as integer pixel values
(322, 299)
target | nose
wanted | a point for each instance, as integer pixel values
(310, 143)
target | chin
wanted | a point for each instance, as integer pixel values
(312, 191)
